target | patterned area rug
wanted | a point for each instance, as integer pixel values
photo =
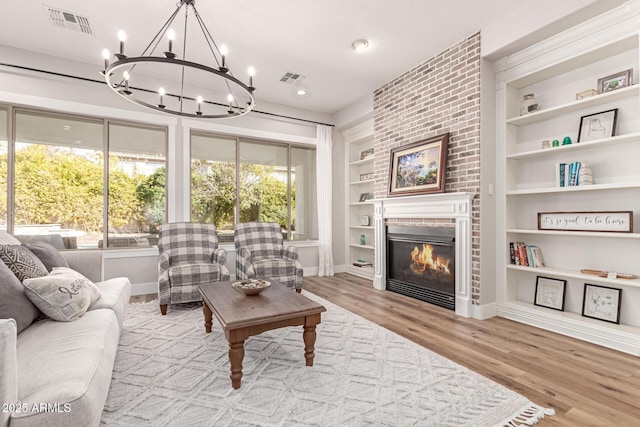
(169, 372)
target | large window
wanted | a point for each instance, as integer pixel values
(61, 178)
(236, 180)
(4, 170)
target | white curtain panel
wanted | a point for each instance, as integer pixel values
(323, 156)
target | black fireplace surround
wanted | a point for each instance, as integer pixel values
(421, 263)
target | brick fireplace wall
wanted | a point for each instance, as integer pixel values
(440, 95)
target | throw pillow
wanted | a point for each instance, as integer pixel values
(23, 263)
(49, 255)
(14, 303)
(63, 295)
(8, 239)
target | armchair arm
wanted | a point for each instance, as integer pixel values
(9, 363)
(244, 264)
(219, 256)
(290, 252)
(163, 263)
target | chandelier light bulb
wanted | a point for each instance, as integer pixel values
(162, 92)
(224, 50)
(252, 72)
(171, 35)
(122, 36)
(106, 55)
(126, 76)
(199, 99)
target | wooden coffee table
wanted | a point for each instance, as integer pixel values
(242, 316)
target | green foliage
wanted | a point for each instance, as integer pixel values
(151, 193)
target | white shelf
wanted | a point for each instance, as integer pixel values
(604, 98)
(575, 274)
(632, 137)
(362, 162)
(360, 203)
(368, 247)
(595, 187)
(363, 227)
(575, 233)
(366, 181)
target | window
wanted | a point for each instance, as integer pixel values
(4, 146)
(60, 181)
(236, 180)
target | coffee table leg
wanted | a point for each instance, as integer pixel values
(236, 354)
(207, 317)
(309, 337)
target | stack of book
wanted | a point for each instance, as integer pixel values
(568, 174)
(527, 255)
(362, 263)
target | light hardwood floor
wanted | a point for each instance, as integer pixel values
(586, 384)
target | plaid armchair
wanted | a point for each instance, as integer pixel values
(260, 252)
(189, 256)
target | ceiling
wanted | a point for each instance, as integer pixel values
(309, 37)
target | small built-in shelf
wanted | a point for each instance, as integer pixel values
(362, 162)
(595, 187)
(360, 203)
(620, 139)
(576, 274)
(366, 181)
(603, 98)
(362, 227)
(353, 245)
(575, 233)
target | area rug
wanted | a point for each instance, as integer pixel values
(169, 372)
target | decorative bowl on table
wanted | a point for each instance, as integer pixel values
(251, 286)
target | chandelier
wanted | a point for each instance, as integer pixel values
(169, 83)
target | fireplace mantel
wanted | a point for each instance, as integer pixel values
(456, 206)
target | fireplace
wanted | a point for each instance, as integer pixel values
(421, 263)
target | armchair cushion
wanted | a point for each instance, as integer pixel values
(274, 267)
(194, 274)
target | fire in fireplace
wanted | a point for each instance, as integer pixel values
(421, 263)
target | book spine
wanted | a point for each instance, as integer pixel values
(511, 254)
(516, 252)
(537, 253)
(531, 260)
(561, 174)
(523, 254)
(577, 171)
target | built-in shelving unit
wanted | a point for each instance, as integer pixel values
(359, 139)
(555, 71)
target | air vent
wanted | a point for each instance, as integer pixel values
(69, 20)
(292, 78)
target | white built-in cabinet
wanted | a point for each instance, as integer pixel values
(359, 215)
(556, 70)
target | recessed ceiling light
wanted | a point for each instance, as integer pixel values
(66, 127)
(360, 45)
(301, 92)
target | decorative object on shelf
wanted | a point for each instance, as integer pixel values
(602, 303)
(598, 126)
(419, 168)
(615, 275)
(585, 94)
(566, 140)
(529, 104)
(364, 220)
(229, 97)
(366, 196)
(603, 221)
(362, 263)
(366, 176)
(546, 144)
(585, 177)
(365, 154)
(550, 293)
(363, 239)
(526, 255)
(615, 81)
(570, 174)
(555, 143)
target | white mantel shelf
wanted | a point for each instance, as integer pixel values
(444, 205)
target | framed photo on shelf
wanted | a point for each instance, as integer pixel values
(419, 168)
(598, 125)
(550, 293)
(603, 221)
(365, 196)
(366, 176)
(615, 81)
(365, 154)
(602, 303)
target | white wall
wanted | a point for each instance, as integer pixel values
(62, 94)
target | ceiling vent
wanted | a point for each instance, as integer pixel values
(292, 78)
(70, 21)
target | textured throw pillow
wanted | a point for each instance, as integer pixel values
(8, 239)
(23, 263)
(63, 295)
(14, 304)
(49, 255)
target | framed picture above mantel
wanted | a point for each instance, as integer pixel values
(419, 168)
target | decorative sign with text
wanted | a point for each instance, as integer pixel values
(616, 222)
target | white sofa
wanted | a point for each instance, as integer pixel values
(58, 373)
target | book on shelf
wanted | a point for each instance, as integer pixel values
(568, 174)
(525, 255)
(362, 263)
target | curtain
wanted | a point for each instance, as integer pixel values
(325, 236)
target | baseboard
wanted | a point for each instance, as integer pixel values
(310, 271)
(340, 268)
(144, 288)
(486, 311)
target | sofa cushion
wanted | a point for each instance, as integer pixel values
(67, 363)
(8, 239)
(9, 371)
(115, 294)
(23, 263)
(14, 303)
(63, 294)
(49, 255)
